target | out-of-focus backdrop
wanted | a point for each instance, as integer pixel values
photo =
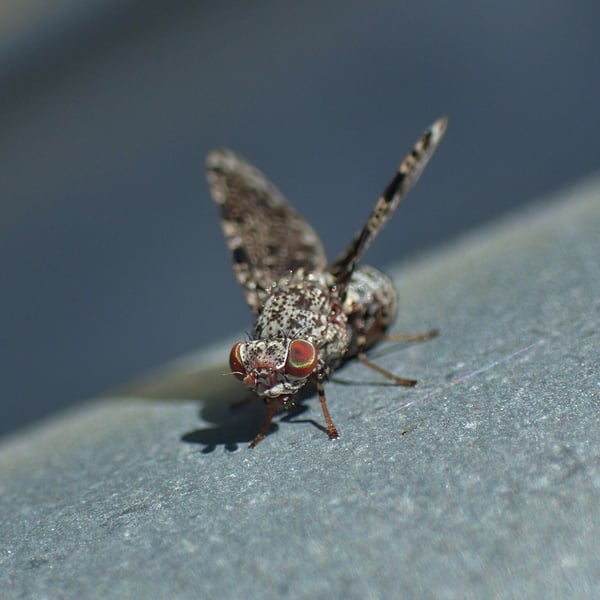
(111, 256)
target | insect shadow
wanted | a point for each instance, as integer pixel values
(235, 423)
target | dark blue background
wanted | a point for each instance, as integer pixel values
(111, 255)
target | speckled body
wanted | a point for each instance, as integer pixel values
(308, 306)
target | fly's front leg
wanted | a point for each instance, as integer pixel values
(332, 432)
(264, 428)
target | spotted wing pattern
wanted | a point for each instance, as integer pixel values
(265, 235)
(406, 176)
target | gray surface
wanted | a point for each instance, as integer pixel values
(484, 481)
(111, 255)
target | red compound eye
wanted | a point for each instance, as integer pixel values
(301, 359)
(235, 362)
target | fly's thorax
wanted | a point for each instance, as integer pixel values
(298, 305)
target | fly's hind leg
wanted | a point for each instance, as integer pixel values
(399, 380)
(411, 337)
(364, 339)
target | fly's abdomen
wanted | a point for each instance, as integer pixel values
(373, 299)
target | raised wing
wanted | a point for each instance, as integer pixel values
(406, 176)
(265, 235)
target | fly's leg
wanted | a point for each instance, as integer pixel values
(264, 428)
(332, 432)
(361, 340)
(272, 406)
(411, 337)
(399, 380)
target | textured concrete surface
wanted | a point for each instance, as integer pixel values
(483, 481)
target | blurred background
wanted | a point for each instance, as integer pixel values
(111, 256)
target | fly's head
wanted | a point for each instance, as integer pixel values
(274, 368)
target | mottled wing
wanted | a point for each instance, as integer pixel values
(406, 176)
(265, 235)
